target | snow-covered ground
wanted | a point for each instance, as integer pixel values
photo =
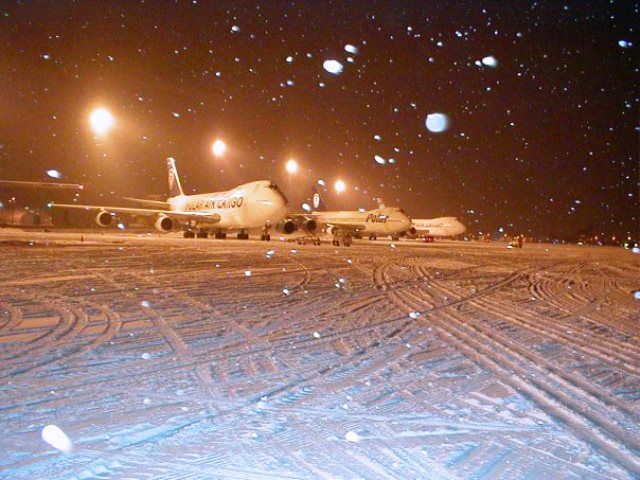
(169, 358)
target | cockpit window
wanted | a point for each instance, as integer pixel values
(274, 187)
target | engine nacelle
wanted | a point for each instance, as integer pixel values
(286, 226)
(164, 224)
(104, 218)
(310, 225)
(412, 231)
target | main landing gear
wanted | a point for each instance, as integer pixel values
(265, 236)
(373, 236)
(345, 237)
(242, 235)
(193, 234)
(220, 235)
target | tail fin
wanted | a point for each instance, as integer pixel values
(316, 200)
(175, 189)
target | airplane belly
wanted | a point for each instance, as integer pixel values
(385, 228)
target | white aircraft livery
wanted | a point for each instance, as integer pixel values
(248, 206)
(345, 224)
(436, 227)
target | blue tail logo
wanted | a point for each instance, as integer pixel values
(175, 189)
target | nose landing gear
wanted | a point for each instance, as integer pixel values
(265, 236)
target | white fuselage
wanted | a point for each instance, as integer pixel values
(438, 227)
(381, 221)
(247, 206)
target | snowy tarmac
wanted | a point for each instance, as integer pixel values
(170, 358)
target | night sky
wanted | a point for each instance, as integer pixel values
(544, 142)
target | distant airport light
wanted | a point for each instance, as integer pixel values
(54, 174)
(321, 182)
(292, 166)
(340, 186)
(101, 121)
(218, 148)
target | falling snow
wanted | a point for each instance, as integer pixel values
(333, 66)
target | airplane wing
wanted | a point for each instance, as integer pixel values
(144, 201)
(53, 185)
(348, 224)
(211, 217)
(345, 226)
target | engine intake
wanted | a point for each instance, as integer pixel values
(310, 225)
(286, 226)
(104, 218)
(164, 224)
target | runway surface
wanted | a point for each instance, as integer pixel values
(171, 358)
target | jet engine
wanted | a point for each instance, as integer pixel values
(164, 223)
(104, 218)
(310, 225)
(411, 231)
(286, 226)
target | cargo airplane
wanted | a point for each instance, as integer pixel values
(347, 224)
(431, 228)
(252, 205)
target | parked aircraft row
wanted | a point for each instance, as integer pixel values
(261, 205)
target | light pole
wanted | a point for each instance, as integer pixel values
(12, 201)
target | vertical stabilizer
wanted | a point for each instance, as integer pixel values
(175, 189)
